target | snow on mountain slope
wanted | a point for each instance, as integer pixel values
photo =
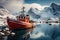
(33, 14)
(40, 12)
(55, 9)
(3, 14)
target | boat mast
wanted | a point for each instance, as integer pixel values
(23, 9)
(22, 15)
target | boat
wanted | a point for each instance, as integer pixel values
(15, 24)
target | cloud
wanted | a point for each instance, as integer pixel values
(14, 5)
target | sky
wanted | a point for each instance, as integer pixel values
(43, 2)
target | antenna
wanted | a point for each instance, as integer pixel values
(23, 9)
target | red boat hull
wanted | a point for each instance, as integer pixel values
(18, 25)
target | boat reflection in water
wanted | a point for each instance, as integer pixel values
(21, 34)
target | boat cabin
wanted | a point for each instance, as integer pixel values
(24, 18)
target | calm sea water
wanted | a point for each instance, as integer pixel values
(40, 32)
(46, 32)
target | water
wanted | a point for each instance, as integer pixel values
(40, 32)
(46, 32)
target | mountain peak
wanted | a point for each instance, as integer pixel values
(32, 13)
(53, 4)
(55, 9)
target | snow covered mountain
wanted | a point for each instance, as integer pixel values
(48, 12)
(3, 14)
(40, 14)
(55, 9)
(33, 13)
